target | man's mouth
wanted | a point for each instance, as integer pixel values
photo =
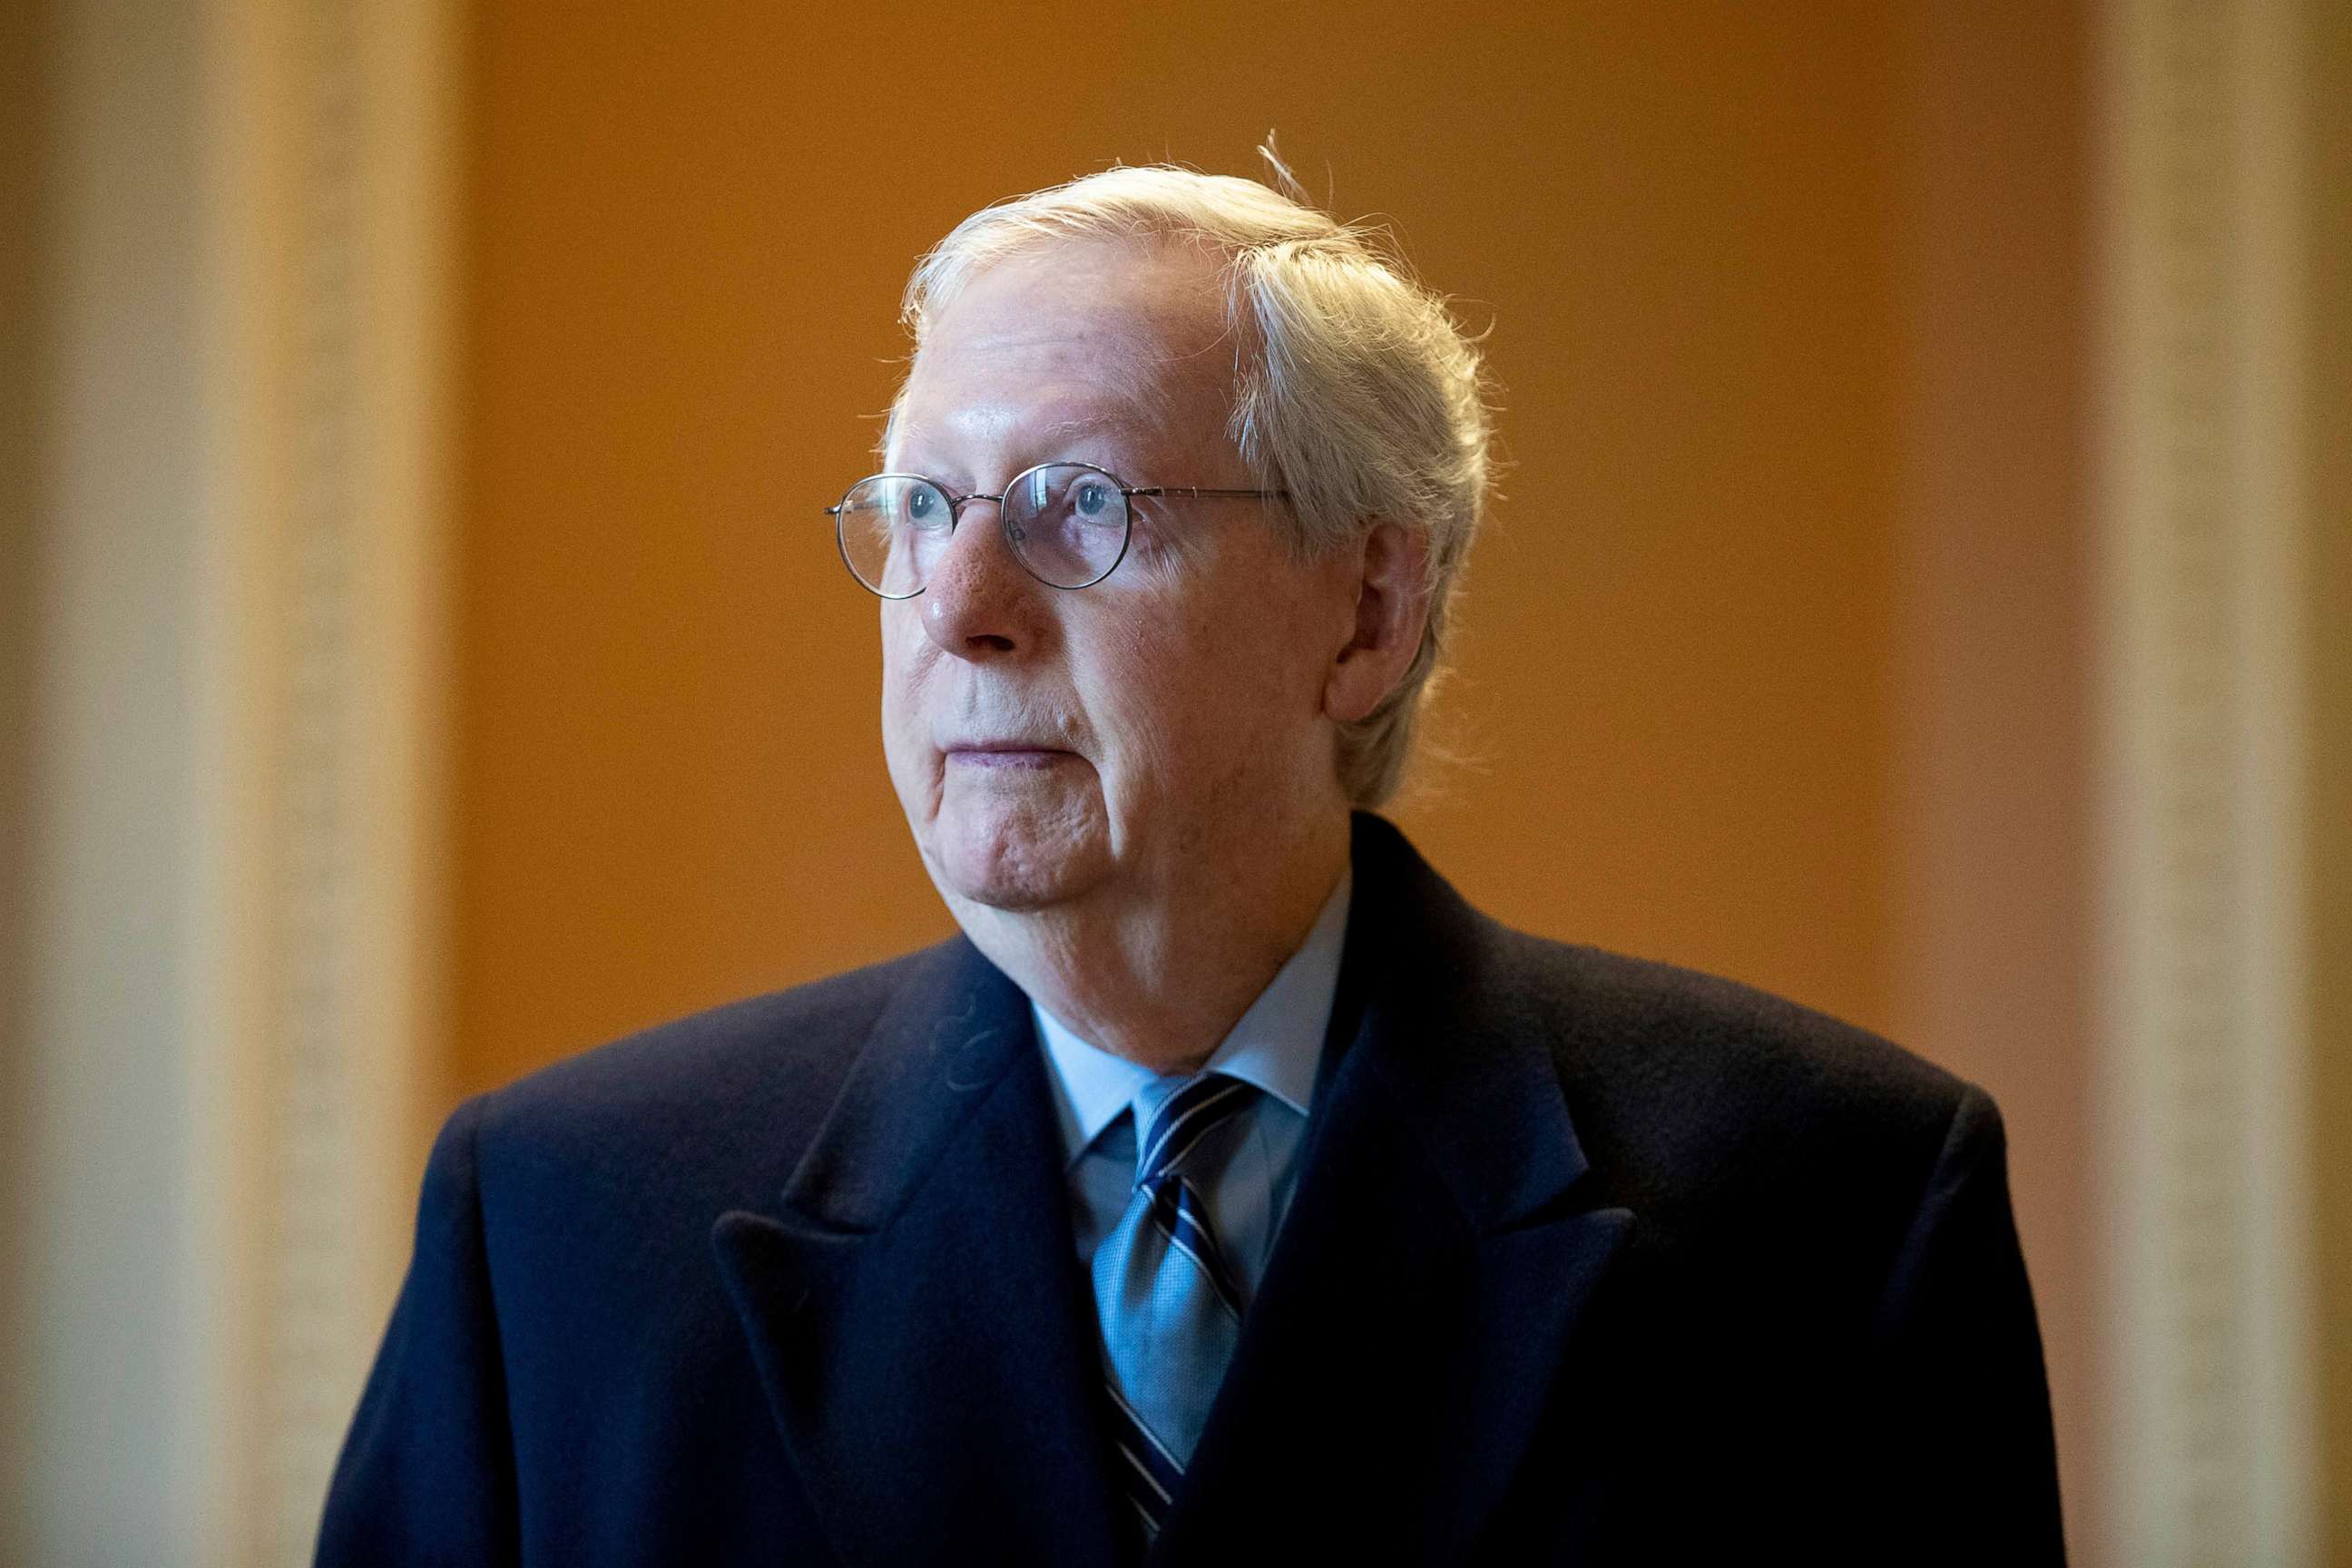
(1001, 755)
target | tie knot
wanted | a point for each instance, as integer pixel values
(1192, 1110)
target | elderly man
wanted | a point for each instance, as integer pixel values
(1230, 1190)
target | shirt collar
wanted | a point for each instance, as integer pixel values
(1276, 1045)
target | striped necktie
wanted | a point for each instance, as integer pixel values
(1170, 1308)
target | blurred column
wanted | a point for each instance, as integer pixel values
(2208, 531)
(228, 816)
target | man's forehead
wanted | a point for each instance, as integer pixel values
(1051, 422)
(1070, 303)
(1071, 343)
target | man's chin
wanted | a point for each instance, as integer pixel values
(1011, 872)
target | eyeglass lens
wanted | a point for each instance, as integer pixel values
(1066, 524)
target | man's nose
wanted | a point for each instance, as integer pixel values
(979, 602)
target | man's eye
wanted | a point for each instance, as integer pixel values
(920, 504)
(1092, 498)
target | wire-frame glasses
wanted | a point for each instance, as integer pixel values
(1066, 523)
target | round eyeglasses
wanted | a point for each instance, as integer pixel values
(1067, 524)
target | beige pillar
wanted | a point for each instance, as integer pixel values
(233, 512)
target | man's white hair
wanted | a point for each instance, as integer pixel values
(1353, 388)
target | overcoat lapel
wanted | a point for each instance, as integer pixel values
(928, 1341)
(1420, 1309)
(915, 1306)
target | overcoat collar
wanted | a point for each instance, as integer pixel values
(917, 1312)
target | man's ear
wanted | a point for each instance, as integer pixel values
(1391, 576)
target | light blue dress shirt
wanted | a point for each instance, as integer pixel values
(1276, 1046)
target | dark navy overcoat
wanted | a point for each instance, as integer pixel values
(1590, 1261)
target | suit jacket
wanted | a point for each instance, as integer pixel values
(1590, 1260)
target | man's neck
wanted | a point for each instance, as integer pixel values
(1162, 985)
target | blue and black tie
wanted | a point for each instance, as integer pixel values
(1170, 1308)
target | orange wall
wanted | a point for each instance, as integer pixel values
(1735, 308)
(24, 54)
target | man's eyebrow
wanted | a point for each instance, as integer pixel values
(1128, 413)
(1047, 440)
